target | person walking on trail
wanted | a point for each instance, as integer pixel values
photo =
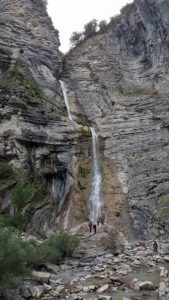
(155, 246)
(90, 226)
(94, 227)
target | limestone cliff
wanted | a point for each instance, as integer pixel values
(40, 148)
(119, 81)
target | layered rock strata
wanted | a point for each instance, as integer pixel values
(119, 79)
(37, 140)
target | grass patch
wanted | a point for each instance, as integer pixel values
(84, 170)
(33, 92)
(104, 167)
(84, 132)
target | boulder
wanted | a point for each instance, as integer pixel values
(42, 277)
(103, 297)
(166, 258)
(147, 285)
(36, 291)
(102, 289)
(162, 289)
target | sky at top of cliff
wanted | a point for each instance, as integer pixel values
(71, 15)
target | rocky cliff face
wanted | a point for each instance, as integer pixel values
(40, 148)
(119, 82)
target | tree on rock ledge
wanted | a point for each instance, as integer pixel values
(76, 38)
(90, 28)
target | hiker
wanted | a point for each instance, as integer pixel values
(142, 244)
(94, 227)
(155, 246)
(102, 219)
(98, 220)
(90, 225)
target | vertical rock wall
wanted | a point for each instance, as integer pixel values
(37, 140)
(120, 79)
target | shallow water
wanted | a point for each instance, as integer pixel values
(153, 276)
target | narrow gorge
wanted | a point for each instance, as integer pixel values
(85, 135)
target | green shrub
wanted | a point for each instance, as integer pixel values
(16, 74)
(57, 247)
(18, 258)
(22, 193)
(113, 19)
(6, 173)
(76, 38)
(103, 26)
(90, 28)
(84, 170)
(84, 132)
(12, 261)
(33, 91)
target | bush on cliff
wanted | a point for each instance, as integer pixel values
(6, 173)
(23, 192)
(76, 38)
(90, 28)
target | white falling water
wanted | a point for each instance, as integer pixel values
(95, 197)
(64, 90)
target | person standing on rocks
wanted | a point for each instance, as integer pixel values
(98, 220)
(155, 246)
(94, 227)
(90, 226)
(102, 219)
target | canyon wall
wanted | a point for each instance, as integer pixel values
(118, 81)
(40, 148)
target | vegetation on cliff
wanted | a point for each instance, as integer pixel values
(94, 27)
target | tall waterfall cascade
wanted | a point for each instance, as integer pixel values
(95, 201)
(96, 205)
(64, 90)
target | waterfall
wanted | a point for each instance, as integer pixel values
(95, 197)
(64, 90)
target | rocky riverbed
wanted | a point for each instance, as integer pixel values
(134, 273)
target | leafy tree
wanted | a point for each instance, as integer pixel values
(76, 38)
(113, 19)
(90, 28)
(103, 26)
